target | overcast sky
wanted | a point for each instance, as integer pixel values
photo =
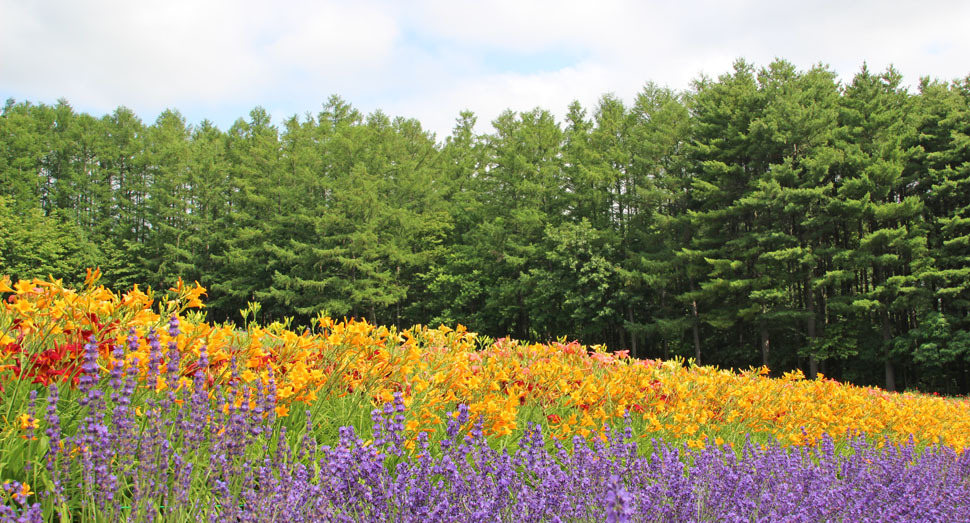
(431, 59)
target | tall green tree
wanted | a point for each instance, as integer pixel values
(455, 288)
(939, 339)
(520, 190)
(23, 145)
(209, 192)
(726, 165)
(658, 133)
(253, 151)
(166, 253)
(887, 249)
(122, 158)
(795, 138)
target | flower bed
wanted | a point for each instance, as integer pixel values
(129, 405)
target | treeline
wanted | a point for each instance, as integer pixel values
(769, 216)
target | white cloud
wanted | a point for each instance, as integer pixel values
(333, 39)
(432, 58)
(165, 54)
(511, 24)
(110, 53)
(487, 96)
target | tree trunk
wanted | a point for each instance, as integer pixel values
(523, 323)
(633, 336)
(764, 346)
(964, 379)
(695, 327)
(810, 329)
(886, 340)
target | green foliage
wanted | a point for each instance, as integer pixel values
(35, 246)
(766, 216)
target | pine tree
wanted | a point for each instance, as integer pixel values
(166, 254)
(454, 288)
(940, 168)
(726, 166)
(884, 235)
(657, 137)
(795, 141)
(519, 187)
(252, 150)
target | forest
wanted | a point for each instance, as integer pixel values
(770, 216)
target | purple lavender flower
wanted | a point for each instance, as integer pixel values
(195, 427)
(173, 326)
(154, 358)
(618, 500)
(53, 433)
(240, 466)
(89, 369)
(377, 427)
(31, 414)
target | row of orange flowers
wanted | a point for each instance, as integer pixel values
(574, 389)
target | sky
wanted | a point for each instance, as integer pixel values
(431, 59)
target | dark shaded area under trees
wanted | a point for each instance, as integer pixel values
(768, 216)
